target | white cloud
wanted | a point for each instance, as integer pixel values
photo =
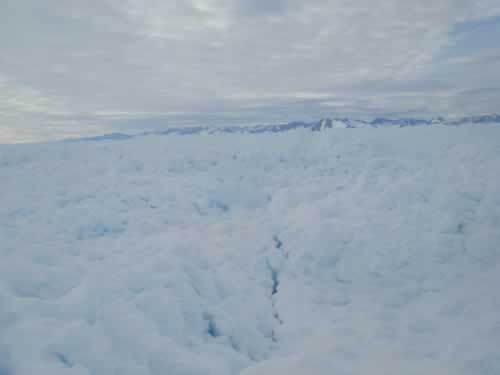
(211, 56)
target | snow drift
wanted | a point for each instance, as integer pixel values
(345, 251)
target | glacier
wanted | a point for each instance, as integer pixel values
(340, 251)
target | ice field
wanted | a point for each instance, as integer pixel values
(339, 252)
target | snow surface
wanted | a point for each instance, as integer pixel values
(345, 251)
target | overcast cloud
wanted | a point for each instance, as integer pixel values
(80, 67)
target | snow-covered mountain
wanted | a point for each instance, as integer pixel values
(322, 124)
(253, 251)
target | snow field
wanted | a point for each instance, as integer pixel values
(347, 251)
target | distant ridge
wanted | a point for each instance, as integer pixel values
(323, 124)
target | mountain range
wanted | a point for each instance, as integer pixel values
(318, 125)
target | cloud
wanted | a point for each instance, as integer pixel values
(263, 7)
(213, 57)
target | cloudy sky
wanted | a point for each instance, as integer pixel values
(85, 67)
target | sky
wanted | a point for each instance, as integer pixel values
(71, 68)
